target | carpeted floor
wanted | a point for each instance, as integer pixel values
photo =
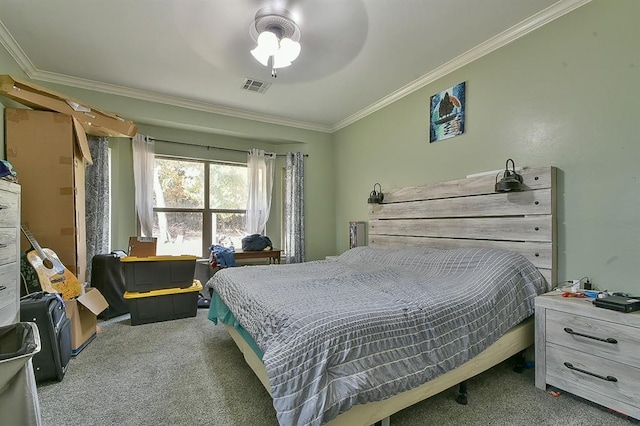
(189, 372)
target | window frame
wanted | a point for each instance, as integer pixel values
(206, 212)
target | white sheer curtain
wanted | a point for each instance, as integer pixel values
(260, 169)
(143, 155)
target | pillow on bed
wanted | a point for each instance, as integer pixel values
(387, 256)
(428, 260)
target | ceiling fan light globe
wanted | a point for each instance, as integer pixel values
(261, 56)
(268, 42)
(290, 49)
(280, 61)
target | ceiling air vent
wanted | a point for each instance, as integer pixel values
(255, 85)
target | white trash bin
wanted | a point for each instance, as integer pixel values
(19, 403)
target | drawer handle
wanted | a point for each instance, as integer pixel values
(3, 245)
(2, 287)
(607, 378)
(3, 206)
(600, 339)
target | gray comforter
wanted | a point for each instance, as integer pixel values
(374, 322)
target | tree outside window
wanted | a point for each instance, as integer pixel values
(195, 198)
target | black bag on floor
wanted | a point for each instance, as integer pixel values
(107, 275)
(47, 311)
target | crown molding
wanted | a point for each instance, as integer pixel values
(171, 100)
(551, 13)
(14, 49)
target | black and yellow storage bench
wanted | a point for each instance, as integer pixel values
(158, 272)
(163, 305)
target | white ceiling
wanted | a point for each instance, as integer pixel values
(357, 55)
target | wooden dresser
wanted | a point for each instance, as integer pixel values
(590, 352)
(9, 252)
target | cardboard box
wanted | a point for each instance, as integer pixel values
(45, 150)
(94, 121)
(142, 246)
(83, 314)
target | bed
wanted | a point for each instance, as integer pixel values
(443, 292)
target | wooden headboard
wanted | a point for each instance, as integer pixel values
(468, 213)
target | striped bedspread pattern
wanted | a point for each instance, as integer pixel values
(374, 322)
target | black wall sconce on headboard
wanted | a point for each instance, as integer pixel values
(376, 197)
(511, 181)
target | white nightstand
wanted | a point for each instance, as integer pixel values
(590, 352)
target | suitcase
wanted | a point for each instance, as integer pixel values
(47, 310)
(107, 275)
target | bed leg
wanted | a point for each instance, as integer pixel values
(520, 362)
(462, 396)
(384, 422)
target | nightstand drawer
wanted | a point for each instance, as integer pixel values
(616, 342)
(617, 387)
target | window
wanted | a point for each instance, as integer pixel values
(192, 199)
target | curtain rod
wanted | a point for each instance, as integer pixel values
(246, 151)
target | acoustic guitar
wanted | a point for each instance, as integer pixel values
(54, 277)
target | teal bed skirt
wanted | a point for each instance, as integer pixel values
(219, 311)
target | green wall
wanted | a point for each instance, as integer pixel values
(565, 95)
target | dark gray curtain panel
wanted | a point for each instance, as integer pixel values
(97, 199)
(294, 209)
